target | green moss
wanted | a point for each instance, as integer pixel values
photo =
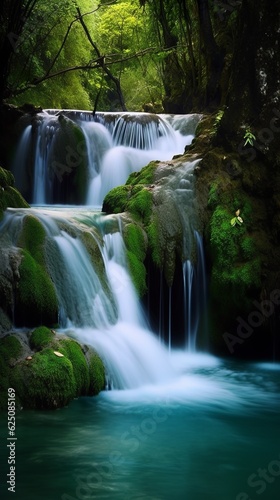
(213, 197)
(248, 247)
(32, 237)
(140, 205)
(73, 351)
(6, 178)
(136, 253)
(153, 235)
(145, 176)
(10, 349)
(9, 196)
(137, 272)
(96, 373)
(116, 200)
(137, 200)
(135, 240)
(48, 381)
(36, 301)
(40, 337)
(224, 239)
(236, 265)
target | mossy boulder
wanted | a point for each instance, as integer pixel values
(96, 373)
(45, 381)
(156, 200)
(135, 196)
(41, 337)
(73, 351)
(10, 351)
(9, 196)
(48, 370)
(36, 301)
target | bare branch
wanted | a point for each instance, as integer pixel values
(101, 60)
(95, 64)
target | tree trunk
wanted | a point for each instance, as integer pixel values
(254, 97)
(213, 54)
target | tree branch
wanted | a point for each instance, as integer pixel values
(102, 64)
(95, 64)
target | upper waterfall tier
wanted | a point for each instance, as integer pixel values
(75, 157)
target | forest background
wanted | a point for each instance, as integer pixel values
(153, 55)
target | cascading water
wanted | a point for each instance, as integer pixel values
(107, 315)
(180, 413)
(65, 149)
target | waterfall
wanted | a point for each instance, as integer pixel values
(112, 320)
(61, 150)
(195, 294)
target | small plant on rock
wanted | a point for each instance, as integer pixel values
(249, 137)
(237, 220)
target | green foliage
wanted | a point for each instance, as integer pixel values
(236, 265)
(237, 220)
(42, 37)
(117, 27)
(40, 337)
(249, 137)
(218, 119)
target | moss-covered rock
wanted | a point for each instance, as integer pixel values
(235, 261)
(47, 381)
(9, 196)
(10, 350)
(47, 370)
(150, 198)
(96, 373)
(136, 243)
(73, 351)
(36, 300)
(41, 337)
